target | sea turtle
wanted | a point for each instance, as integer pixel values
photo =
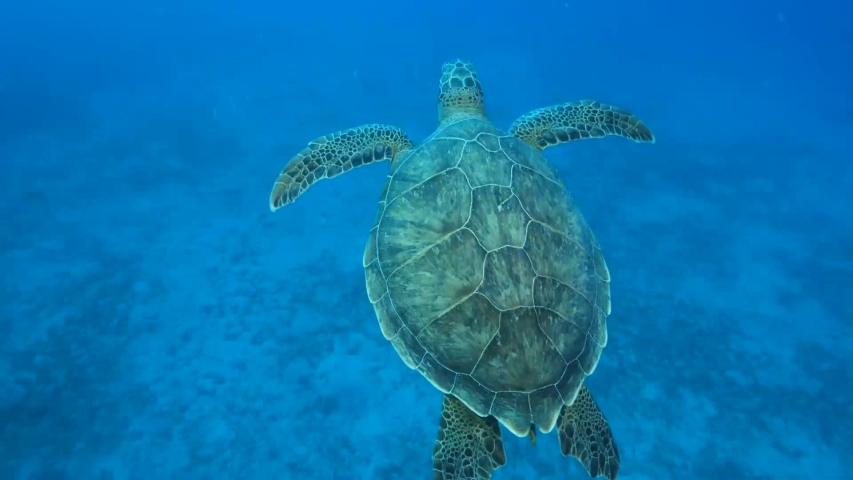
(483, 273)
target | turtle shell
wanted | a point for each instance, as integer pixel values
(485, 276)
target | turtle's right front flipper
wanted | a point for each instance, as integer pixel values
(331, 155)
(549, 126)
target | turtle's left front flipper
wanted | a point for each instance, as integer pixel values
(332, 155)
(557, 124)
(585, 434)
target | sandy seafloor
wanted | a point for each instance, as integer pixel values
(161, 323)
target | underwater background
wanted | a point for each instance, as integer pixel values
(157, 321)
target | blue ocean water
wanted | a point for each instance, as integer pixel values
(158, 322)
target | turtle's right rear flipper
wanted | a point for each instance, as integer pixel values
(468, 446)
(586, 435)
(329, 156)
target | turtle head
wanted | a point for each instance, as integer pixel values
(460, 92)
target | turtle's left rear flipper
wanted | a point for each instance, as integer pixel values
(586, 435)
(468, 446)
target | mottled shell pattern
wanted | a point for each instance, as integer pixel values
(485, 276)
